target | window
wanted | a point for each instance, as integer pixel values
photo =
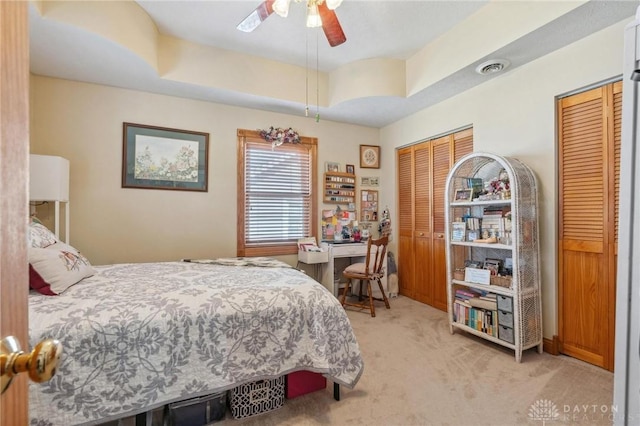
(276, 194)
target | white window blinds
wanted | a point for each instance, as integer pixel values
(277, 193)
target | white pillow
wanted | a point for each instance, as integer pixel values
(40, 236)
(60, 265)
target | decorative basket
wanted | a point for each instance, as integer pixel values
(501, 281)
(458, 275)
(257, 397)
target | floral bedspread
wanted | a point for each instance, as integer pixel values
(139, 336)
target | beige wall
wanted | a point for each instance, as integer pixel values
(109, 224)
(514, 115)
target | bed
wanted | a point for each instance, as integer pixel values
(140, 336)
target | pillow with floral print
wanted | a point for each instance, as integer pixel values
(40, 236)
(60, 266)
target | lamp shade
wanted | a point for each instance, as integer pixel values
(48, 178)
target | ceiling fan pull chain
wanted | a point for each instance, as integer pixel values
(317, 79)
(306, 75)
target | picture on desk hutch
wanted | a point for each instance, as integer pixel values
(368, 206)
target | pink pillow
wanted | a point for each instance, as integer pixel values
(38, 284)
(59, 265)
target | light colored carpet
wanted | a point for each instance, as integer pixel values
(417, 373)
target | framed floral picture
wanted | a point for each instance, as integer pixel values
(163, 158)
(369, 156)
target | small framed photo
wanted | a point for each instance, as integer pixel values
(458, 230)
(492, 265)
(163, 158)
(332, 167)
(351, 169)
(370, 156)
(465, 194)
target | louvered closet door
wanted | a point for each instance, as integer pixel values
(441, 166)
(462, 144)
(405, 261)
(614, 198)
(422, 227)
(587, 175)
(422, 174)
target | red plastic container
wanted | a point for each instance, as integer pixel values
(303, 382)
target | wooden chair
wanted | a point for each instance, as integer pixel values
(371, 270)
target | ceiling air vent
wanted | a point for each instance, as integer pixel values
(492, 66)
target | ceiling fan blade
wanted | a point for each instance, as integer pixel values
(256, 17)
(331, 26)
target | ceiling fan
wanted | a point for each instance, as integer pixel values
(319, 13)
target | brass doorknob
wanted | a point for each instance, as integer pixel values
(40, 364)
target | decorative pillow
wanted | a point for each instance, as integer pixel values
(40, 236)
(59, 265)
(38, 284)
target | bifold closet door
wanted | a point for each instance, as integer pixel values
(589, 158)
(405, 262)
(442, 155)
(422, 174)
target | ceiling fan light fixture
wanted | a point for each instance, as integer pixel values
(333, 4)
(313, 15)
(281, 7)
(492, 66)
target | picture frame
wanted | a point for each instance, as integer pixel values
(164, 158)
(369, 156)
(493, 265)
(330, 166)
(465, 194)
(351, 169)
(458, 231)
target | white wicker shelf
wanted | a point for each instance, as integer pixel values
(522, 320)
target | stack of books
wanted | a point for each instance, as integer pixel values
(476, 309)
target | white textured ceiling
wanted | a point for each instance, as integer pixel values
(374, 29)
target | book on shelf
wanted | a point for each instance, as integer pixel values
(473, 223)
(467, 293)
(476, 302)
(490, 297)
